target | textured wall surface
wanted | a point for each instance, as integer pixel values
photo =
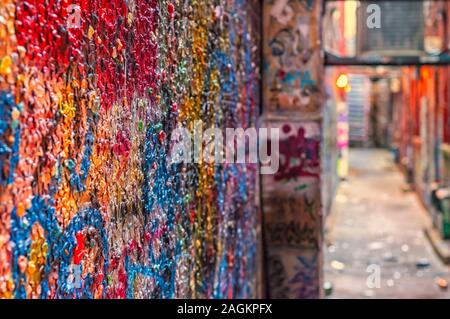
(89, 94)
(293, 64)
(293, 94)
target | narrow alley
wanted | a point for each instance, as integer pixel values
(375, 222)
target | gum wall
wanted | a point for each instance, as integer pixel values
(90, 91)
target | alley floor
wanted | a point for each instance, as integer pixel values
(376, 247)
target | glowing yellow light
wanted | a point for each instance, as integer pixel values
(342, 81)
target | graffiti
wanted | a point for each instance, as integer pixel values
(306, 274)
(283, 11)
(291, 233)
(299, 151)
(292, 211)
(292, 70)
(294, 276)
(296, 224)
(89, 95)
(277, 275)
(299, 156)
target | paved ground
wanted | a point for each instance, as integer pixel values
(376, 224)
